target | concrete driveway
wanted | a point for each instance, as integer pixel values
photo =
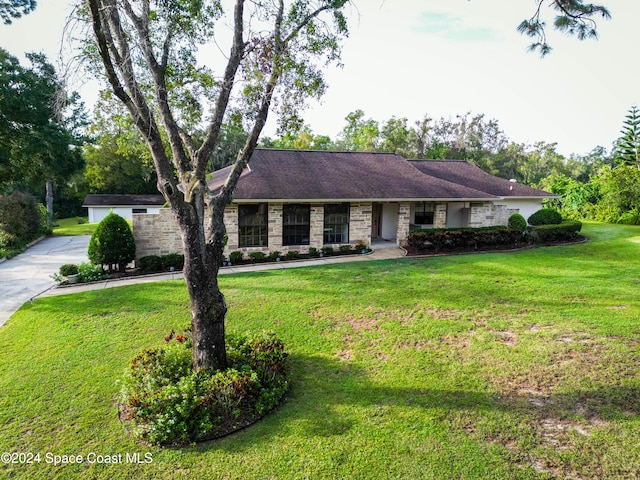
(29, 274)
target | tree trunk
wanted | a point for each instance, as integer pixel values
(208, 305)
(49, 201)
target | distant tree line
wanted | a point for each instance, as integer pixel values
(603, 185)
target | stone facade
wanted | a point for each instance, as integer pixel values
(487, 214)
(158, 234)
(440, 215)
(404, 222)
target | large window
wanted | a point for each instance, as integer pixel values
(423, 213)
(295, 224)
(253, 225)
(336, 223)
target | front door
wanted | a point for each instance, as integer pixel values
(376, 220)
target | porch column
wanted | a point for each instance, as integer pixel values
(404, 220)
(275, 227)
(316, 229)
(440, 216)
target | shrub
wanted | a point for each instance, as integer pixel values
(327, 251)
(293, 254)
(360, 247)
(567, 230)
(236, 256)
(345, 248)
(517, 222)
(465, 239)
(274, 255)
(175, 260)
(112, 243)
(87, 272)
(313, 252)
(150, 263)
(545, 216)
(68, 269)
(20, 218)
(258, 256)
(165, 402)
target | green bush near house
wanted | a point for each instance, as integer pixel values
(517, 222)
(150, 263)
(257, 256)
(112, 243)
(236, 256)
(545, 216)
(566, 231)
(463, 239)
(172, 260)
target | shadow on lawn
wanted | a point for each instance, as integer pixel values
(324, 389)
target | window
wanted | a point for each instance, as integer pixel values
(336, 223)
(295, 224)
(252, 225)
(423, 213)
(139, 210)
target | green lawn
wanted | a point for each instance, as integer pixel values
(73, 226)
(506, 365)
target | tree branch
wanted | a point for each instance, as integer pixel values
(237, 52)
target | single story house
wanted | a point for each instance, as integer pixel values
(99, 206)
(293, 200)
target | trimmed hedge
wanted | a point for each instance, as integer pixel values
(566, 231)
(465, 239)
(438, 240)
(156, 263)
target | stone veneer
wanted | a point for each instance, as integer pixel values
(487, 214)
(158, 234)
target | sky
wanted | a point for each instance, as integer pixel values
(442, 58)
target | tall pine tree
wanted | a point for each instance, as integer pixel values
(627, 150)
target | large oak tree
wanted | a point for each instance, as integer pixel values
(275, 51)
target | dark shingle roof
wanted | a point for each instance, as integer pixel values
(321, 175)
(122, 200)
(459, 171)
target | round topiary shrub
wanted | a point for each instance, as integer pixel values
(163, 401)
(545, 216)
(517, 222)
(112, 243)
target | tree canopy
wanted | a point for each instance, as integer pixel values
(40, 125)
(11, 9)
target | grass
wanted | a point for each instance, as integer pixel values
(508, 365)
(73, 226)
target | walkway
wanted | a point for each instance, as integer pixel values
(379, 254)
(28, 275)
